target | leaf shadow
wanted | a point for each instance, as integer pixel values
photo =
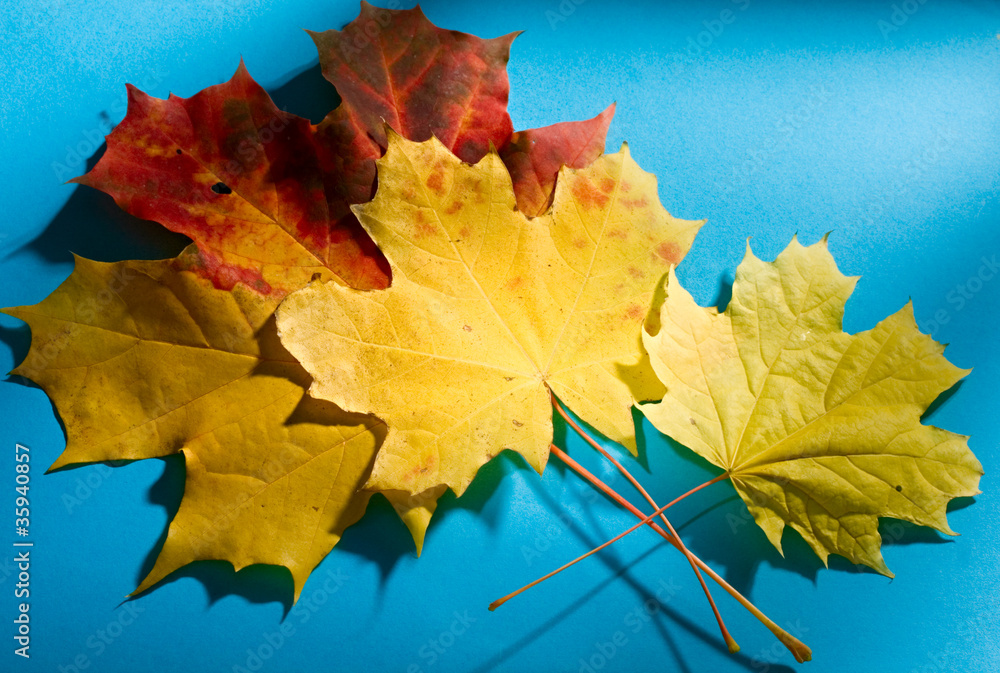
(538, 632)
(940, 401)
(380, 536)
(380, 519)
(166, 492)
(18, 339)
(258, 583)
(91, 225)
(901, 533)
(306, 93)
(641, 438)
(479, 498)
(961, 503)
(28, 383)
(724, 294)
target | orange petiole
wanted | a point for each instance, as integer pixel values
(799, 650)
(730, 641)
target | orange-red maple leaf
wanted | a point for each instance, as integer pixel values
(266, 195)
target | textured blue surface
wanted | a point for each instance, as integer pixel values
(876, 121)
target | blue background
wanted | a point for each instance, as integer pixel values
(877, 122)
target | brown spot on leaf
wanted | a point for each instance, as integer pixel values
(515, 283)
(669, 251)
(635, 273)
(635, 204)
(429, 463)
(478, 191)
(634, 312)
(467, 328)
(436, 181)
(620, 234)
(454, 208)
(579, 243)
(425, 226)
(589, 196)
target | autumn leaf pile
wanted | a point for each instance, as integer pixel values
(384, 301)
(187, 349)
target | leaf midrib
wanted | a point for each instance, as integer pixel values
(140, 339)
(758, 460)
(468, 271)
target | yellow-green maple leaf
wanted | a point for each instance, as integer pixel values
(818, 429)
(143, 360)
(488, 311)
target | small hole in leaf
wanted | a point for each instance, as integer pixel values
(221, 188)
(180, 152)
(899, 489)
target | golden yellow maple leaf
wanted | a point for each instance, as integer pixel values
(818, 429)
(488, 311)
(143, 360)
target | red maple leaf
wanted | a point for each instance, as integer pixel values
(265, 195)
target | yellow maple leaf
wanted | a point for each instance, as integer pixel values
(143, 360)
(488, 311)
(818, 429)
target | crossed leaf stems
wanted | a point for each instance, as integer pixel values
(799, 650)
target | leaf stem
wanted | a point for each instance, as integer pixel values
(799, 650)
(730, 641)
